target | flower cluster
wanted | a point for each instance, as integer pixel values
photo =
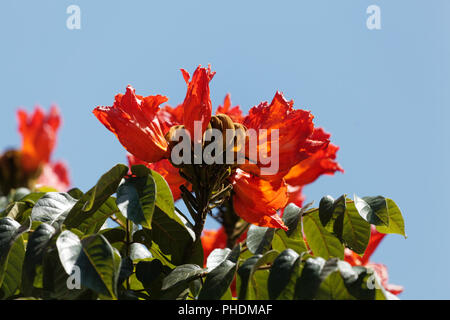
(304, 151)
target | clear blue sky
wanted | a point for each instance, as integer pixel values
(383, 94)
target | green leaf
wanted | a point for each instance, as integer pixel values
(309, 281)
(55, 280)
(331, 214)
(321, 241)
(12, 273)
(148, 271)
(174, 239)
(53, 208)
(281, 242)
(36, 246)
(164, 197)
(92, 200)
(93, 221)
(293, 238)
(373, 209)
(32, 198)
(356, 231)
(100, 265)
(341, 281)
(10, 231)
(247, 286)
(19, 211)
(136, 199)
(259, 239)
(218, 281)
(114, 234)
(178, 280)
(396, 223)
(69, 248)
(216, 257)
(282, 277)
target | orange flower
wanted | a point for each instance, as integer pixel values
(234, 113)
(39, 133)
(166, 170)
(308, 170)
(197, 103)
(356, 260)
(169, 117)
(257, 200)
(133, 120)
(296, 141)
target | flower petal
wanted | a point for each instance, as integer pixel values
(133, 120)
(295, 137)
(308, 170)
(234, 113)
(39, 135)
(197, 103)
(257, 201)
(169, 117)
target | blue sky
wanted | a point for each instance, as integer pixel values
(383, 94)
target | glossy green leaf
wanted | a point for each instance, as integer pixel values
(10, 231)
(216, 257)
(12, 271)
(218, 281)
(181, 276)
(53, 208)
(148, 271)
(36, 246)
(247, 288)
(174, 239)
(373, 209)
(69, 248)
(100, 265)
(136, 199)
(355, 231)
(259, 239)
(396, 222)
(282, 275)
(94, 220)
(320, 240)
(309, 281)
(92, 200)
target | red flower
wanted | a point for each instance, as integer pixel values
(133, 120)
(39, 133)
(381, 270)
(295, 136)
(234, 113)
(257, 200)
(169, 117)
(197, 104)
(308, 170)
